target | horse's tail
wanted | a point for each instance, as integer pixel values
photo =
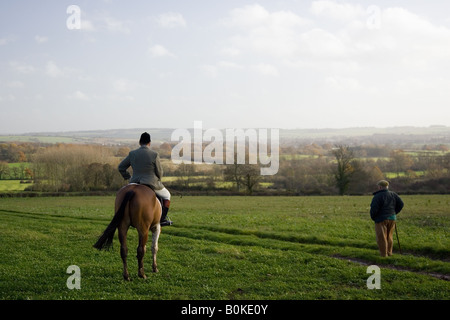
(106, 239)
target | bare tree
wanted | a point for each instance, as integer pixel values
(233, 173)
(243, 175)
(185, 172)
(344, 169)
(251, 177)
(400, 161)
(63, 167)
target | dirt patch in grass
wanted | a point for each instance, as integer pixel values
(390, 266)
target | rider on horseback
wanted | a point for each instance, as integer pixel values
(147, 170)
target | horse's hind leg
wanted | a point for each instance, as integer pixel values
(124, 250)
(156, 230)
(141, 252)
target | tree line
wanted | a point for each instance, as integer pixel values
(306, 169)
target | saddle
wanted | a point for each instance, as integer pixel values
(157, 197)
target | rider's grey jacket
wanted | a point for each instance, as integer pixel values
(146, 167)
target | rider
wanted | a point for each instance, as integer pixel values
(147, 170)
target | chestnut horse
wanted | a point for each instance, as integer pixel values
(137, 206)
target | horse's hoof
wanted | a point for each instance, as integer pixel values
(155, 270)
(126, 278)
(141, 273)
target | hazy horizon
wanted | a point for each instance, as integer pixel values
(255, 64)
(436, 126)
(137, 129)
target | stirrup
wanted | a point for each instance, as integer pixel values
(166, 222)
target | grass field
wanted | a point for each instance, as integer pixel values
(226, 248)
(12, 185)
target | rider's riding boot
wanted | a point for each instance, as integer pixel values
(165, 209)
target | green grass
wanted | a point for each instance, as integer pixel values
(19, 164)
(226, 248)
(12, 185)
(393, 175)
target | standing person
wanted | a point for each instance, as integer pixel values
(147, 170)
(383, 210)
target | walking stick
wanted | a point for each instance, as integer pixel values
(398, 240)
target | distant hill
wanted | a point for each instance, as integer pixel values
(362, 135)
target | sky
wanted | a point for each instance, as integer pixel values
(114, 64)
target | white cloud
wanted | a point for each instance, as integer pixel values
(266, 69)
(213, 71)
(338, 11)
(21, 67)
(53, 70)
(319, 43)
(120, 98)
(171, 20)
(403, 38)
(79, 95)
(7, 40)
(337, 83)
(355, 64)
(230, 51)
(416, 35)
(158, 50)
(350, 56)
(16, 84)
(9, 98)
(247, 16)
(124, 85)
(210, 70)
(115, 25)
(87, 25)
(104, 22)
(263, 32)
(40, 39)
(229, 64)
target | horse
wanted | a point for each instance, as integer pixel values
(137, 206)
